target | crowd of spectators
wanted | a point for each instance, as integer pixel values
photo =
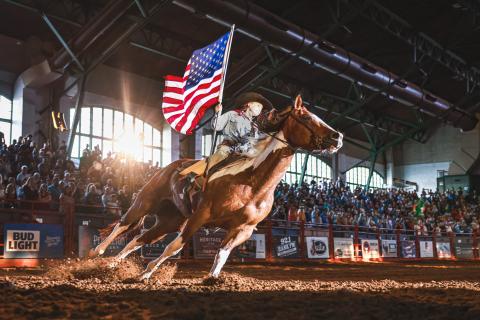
(389, 209)
(109, 184)
(41, 174)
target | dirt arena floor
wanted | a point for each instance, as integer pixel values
(89, 290)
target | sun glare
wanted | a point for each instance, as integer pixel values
(130, 145)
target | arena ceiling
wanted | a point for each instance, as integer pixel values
(434, 44)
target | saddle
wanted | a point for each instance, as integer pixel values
(189, 188)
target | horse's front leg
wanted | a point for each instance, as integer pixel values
(233, 238)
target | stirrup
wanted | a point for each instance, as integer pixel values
(191, 176)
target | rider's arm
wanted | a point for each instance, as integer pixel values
(222, 121)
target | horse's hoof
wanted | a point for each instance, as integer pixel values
(92, 253)
(145, 276)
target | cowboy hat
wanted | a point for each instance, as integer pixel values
(247, 97)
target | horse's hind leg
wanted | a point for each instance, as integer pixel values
(136, 212)
(233, 238)
(192, 225)
(162, 227)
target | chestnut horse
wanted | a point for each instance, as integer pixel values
(237, 197)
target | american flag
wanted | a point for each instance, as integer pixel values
(186, 99)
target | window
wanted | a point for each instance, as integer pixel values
(317, 169)
(116, 131)
(358, 177)
(6, 118)
(207, 143)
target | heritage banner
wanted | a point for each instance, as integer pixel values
(207, 242)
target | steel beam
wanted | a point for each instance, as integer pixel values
(62, 41)
(395, 25)
(76, 115)
(290, 58)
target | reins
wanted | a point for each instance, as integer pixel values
(284, 141)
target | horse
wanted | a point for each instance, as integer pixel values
(237, 197)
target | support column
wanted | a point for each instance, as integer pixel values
(389, 166)
(304, 168)
(76, 115)
(373, 159)
(335, 169)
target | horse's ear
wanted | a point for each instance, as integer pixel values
(298, 102)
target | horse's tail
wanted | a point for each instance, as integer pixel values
(132, 229)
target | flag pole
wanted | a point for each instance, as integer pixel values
(220, 97)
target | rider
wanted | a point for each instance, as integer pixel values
(238, 130)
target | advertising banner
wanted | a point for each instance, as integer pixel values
(154, 250)
(285, 243)
(389, 248)
(408, 249)
(207, 242)
(317, 247)
(443, 250)
(343, 248)
(370, 249)
(89, 238)
(253, 248)
(33, 241)
(464, 248)
(286, 247)
(426, 249)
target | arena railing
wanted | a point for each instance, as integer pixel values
(460, 246)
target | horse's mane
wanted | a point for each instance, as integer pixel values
(272, 121)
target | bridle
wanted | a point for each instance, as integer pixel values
(314, 141)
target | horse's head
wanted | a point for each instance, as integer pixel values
(302, 129)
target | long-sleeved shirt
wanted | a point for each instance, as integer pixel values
(236, 127)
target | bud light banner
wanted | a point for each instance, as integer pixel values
(370, 249)
(317, 247)
(33, 241)
(89, 238)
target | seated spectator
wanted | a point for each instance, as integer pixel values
(54, 189)
(10, 193)
(29, 191)
(92, 198)
(67, 199)
(110, 201)
(43, 194)
(22, 176)
(2, 189)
